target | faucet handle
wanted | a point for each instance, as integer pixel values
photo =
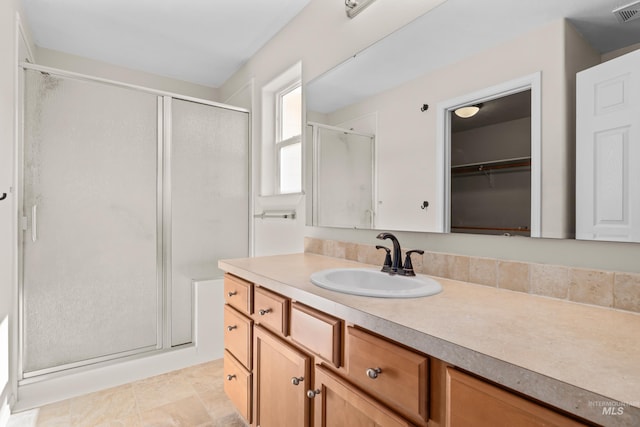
(408, 266)
(386, 267)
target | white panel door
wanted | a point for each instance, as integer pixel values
(608, 151)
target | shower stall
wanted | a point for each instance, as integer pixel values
(128, 195)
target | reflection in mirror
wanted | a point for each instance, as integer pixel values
(343, 177)
(491, 167)
(487, 43)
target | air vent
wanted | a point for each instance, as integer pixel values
(628, 13)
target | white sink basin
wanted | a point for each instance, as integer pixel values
(374, 283)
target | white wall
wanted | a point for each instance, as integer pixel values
(9, 53)
(91, 67)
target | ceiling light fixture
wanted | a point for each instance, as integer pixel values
(468, 111)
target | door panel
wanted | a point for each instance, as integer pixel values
(209, 200)
(90, 284)
(608, 150)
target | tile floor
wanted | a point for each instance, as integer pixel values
(190, 397)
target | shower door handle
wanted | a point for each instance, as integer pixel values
(34, 223)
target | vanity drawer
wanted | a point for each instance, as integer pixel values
(238, 335)
(318, 332)
(237, 385)
(271, 310)
(238, 293)
(394, 374)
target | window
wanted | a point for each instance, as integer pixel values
(288, 141)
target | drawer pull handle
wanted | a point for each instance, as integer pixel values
(230, 377)
(312, 393)
(296, 380)
(232, 293)
(264, 311)
(373, 373)
(231, 328)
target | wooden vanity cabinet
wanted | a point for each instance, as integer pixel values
(282, 377)
(288, 364)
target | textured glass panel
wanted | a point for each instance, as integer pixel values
(291, 114)
(90, 279)
(291, 168)
(344, 179)
(210, 200)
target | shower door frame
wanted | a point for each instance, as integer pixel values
(163, 222)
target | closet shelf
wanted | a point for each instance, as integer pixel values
(516, 162)
(466, 227)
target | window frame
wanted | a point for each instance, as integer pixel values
(279, 143)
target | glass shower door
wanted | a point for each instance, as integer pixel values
(209, 200)
(344, 175)
(91, 283)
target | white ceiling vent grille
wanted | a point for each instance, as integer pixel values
(628, 13)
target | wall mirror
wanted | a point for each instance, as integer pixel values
(400, 91)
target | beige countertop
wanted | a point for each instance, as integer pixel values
(576, 357)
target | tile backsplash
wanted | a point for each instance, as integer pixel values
(598, 287)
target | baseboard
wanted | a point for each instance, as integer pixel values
(208, 345)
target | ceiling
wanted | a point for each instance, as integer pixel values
(457, 29)
(199, 41)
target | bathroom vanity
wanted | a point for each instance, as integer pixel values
(300, 355)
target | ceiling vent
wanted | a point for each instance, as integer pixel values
(628, 13)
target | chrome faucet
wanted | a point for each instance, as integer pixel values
(393, 264)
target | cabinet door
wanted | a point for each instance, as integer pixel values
(472, 402)
(281, 377)
(338, 403)
(608, 150)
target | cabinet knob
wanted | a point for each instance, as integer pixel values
(312, 393)
(373, 373)
(230, 377)
(296, 380)
(231, 328)
(264, 311)
(232, 293)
